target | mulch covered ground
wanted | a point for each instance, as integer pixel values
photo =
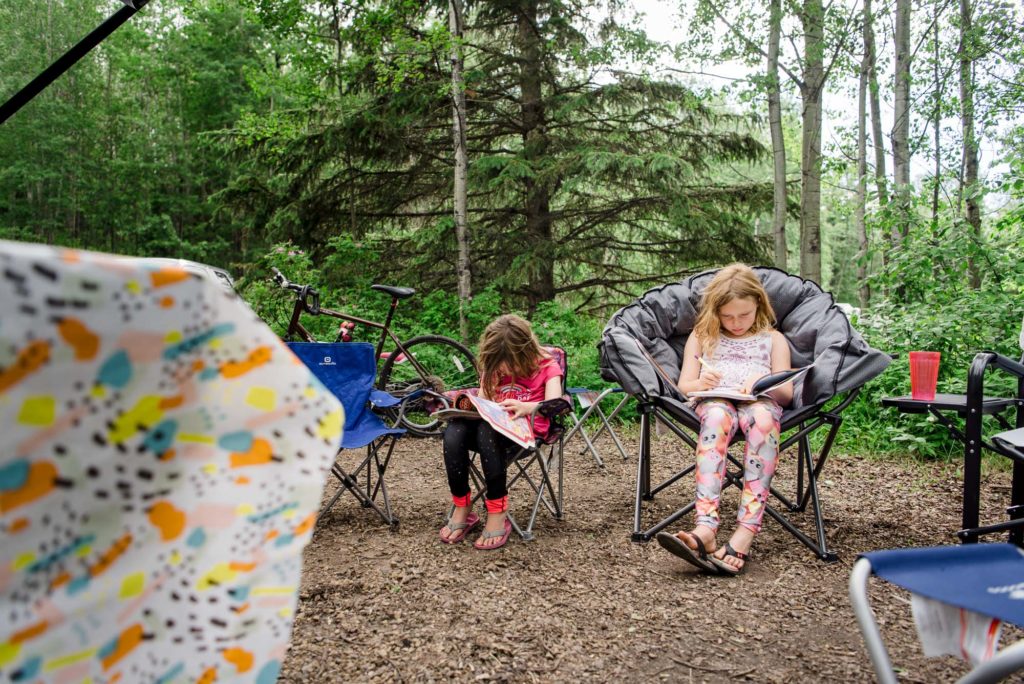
(583, 602)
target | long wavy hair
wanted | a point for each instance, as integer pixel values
(735, 281)
(507, 341)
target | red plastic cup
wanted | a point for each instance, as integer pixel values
(924, 374)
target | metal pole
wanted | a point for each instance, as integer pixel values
(68, 59)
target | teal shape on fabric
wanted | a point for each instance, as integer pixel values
(171, 674)
(107, 649)
(78, 584)
(116, 371)
(161, 437)
(236, 441)
(209, 373)
(284, 540)
(193, 343)
(30, 670)
(14, 475)
(269, 672)
(197, 538)
(260, 517)
(239, 593)
(49, 560)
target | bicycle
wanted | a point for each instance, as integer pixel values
(425, 362)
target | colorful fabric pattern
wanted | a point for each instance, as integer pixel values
(162, 460)
(719, 419)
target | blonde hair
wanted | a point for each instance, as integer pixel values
(508, 340)
(735, 281)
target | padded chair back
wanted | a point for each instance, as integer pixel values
(348, 370)
(162, 459)
(817, 330)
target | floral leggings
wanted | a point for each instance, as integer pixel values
(759, 421)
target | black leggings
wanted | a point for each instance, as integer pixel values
(461, 437)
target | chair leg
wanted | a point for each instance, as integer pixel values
(367, 497)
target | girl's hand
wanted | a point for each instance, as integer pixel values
(709, 379)
(749, 383)
(517, 408)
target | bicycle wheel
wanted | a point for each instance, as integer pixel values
(448, 364)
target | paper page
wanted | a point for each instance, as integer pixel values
(448, 414)
(948, 630)
(518, 430)
(722, 393)
(586, 399)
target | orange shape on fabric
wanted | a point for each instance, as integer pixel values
(17, 525)
(208, 677)
(39, 483)
(257, 357)
(115, 551)
(167, 302)
(60, 580)
(240, 658)
(168, 403)
(29, 360)
(168, 519)
(127, 641)
(238, 566)
(30, 632)
(167, 455)
(242, 480)
(258, 454)
(168, 276)
(306, 525)
(84, 341)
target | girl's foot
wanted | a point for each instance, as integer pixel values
(741, 540)
(495, 523)
(705, 534)
(458, 517)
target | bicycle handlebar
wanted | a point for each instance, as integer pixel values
(303, 292)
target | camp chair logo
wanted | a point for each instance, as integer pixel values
(328, 362)
(1016, 591)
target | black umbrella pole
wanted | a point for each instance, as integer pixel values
(67, 60)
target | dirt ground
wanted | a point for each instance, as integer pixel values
(584, 603)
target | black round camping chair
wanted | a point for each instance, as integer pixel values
(642, 349)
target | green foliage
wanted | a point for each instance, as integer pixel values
(928, 305)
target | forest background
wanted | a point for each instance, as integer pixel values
(546, 157)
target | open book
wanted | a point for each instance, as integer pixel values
(761, 388)
(519, 430)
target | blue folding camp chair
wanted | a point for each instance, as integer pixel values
(983, 578)
(348, 370)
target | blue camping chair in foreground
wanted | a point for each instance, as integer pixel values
(987, 579)
(348, 370)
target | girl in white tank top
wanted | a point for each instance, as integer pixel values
(733, 343)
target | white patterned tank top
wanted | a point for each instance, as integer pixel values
(738, 359)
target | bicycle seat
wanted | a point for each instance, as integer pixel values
(396, 292)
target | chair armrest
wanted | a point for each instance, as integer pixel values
(552, 408)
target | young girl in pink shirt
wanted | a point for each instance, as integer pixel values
(517, 373)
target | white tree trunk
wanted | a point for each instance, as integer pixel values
(461, 166)
(972, 214)
(862, 172)
(778, 142)
(901, 121)
(810, 161)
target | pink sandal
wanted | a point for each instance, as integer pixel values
(501, 535)
(472, 520)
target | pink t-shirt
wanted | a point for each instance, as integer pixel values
(530, 389)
